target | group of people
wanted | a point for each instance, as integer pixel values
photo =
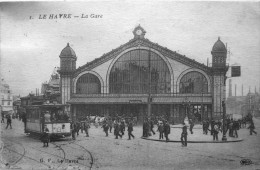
(108, 124)
(76, 126)
(119, 129)
(163, 128)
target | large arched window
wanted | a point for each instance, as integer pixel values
(193, 82)
(130, 74)
(88, 84)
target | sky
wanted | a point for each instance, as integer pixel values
(30, 46)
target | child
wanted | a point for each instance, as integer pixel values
(45, 136)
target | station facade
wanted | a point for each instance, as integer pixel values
(142, 78)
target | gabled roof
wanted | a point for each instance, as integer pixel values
(135, 42)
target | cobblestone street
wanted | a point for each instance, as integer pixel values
(100, 152)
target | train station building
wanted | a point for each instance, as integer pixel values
(142, 78)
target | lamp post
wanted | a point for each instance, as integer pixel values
(186, 103)
(224, 138)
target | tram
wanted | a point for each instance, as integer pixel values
(51, 115)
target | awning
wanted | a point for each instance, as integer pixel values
(139, 100)
(108, 100)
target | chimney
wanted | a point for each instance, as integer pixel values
(230, 88)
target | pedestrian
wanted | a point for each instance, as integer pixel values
(206, 127)
(24, 120)
(130, 130)
(184, 135)
(9, 121)
(152, 126)
(235, 128)
(45, 137)
(110, 124)
(122, 127)
(116, 130)
(86, 128)
(78, 127)
(231, 128)
(73, 130)
(203, 126)
(191, 125)
(145, 130)
(81, 126)
(105, 128)
(215, 132)
(251, 127)
(161, 130)
(3, 117)
(212, 126)
(167, 130)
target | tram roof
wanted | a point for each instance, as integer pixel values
(48, 105)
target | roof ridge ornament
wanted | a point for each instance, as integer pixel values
(139, 32)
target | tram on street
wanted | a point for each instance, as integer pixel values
(51, 115)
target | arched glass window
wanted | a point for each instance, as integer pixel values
(130, 74)
(88, 84)
(193, 82)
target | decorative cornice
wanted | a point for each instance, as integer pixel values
(146, 43)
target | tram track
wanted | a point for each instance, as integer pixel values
(60, 147)
(91, 156)
(22, 155)
(62, 144)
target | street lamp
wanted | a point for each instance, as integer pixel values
(224, 138)
(186, 103)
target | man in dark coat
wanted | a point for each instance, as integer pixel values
(235, 128)
(231, 128)
(86, 127)
(105, 128)
(152, 126)
(116, 130)
(215, 131)
(9, 121)
(184, 135)
(3, 117)
(251, 127)
(130, 130)
(24, 120)
(161, 130)
(78, 126)
(122, 127)
(73, 130)
(110, 124)
(206, 127)
(212, 126)
(145, 129)
(167, 130)
(45, 136)
(191, 125)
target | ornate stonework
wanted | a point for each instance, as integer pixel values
(144, 43)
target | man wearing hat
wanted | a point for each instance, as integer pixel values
(167, 130)
(184, 135)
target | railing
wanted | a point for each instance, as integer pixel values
(141, 95)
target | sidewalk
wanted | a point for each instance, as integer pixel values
(196, 137)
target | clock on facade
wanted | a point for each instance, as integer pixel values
(139, 32)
